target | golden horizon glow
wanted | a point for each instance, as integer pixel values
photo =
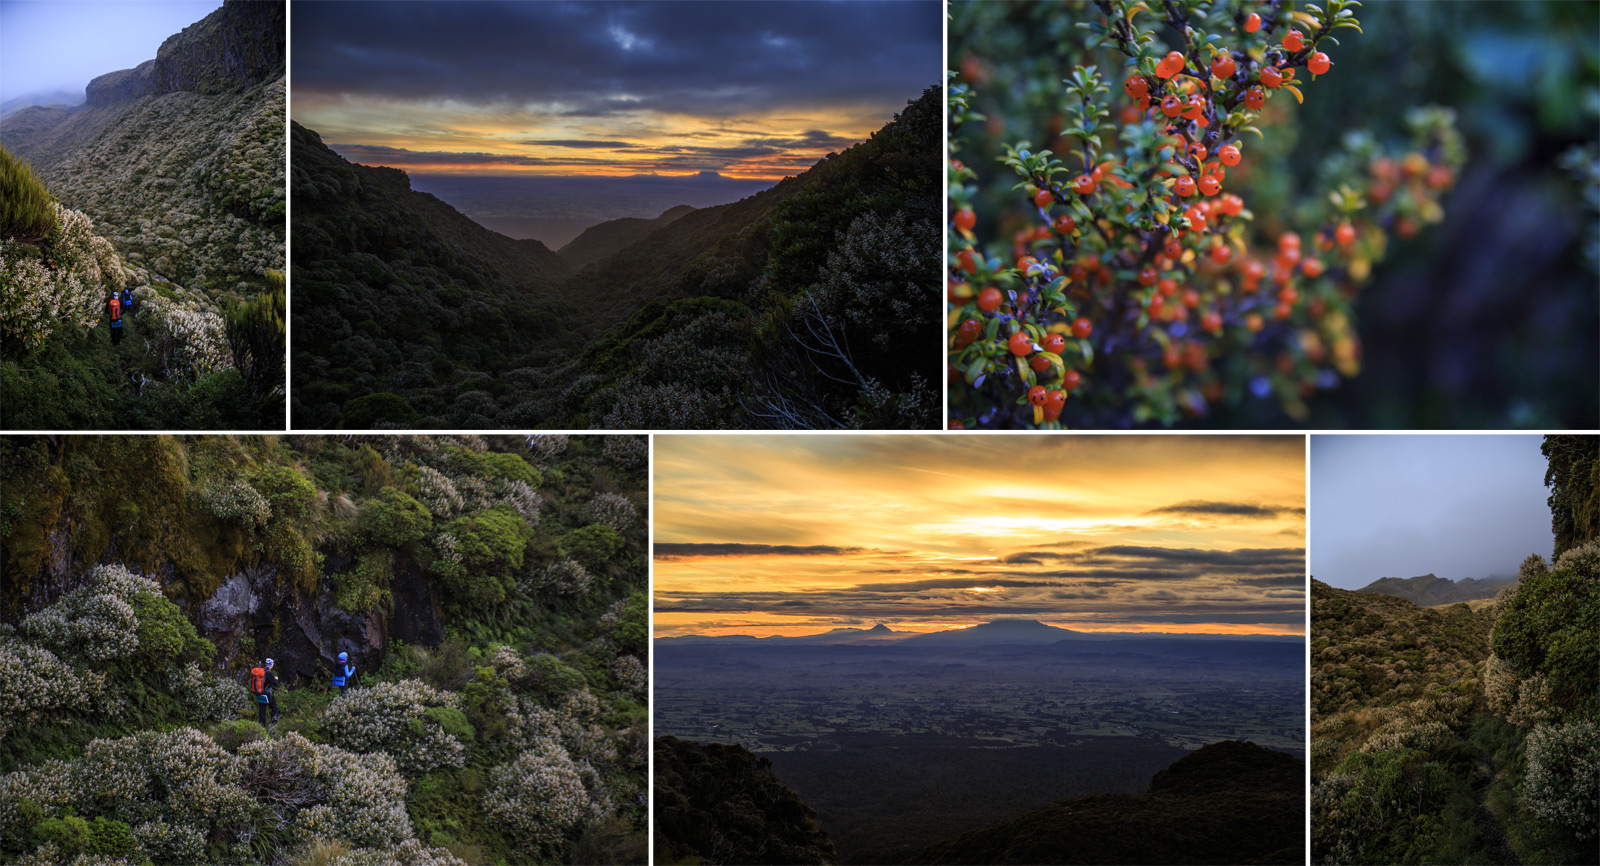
(799, 534)
(509, 139)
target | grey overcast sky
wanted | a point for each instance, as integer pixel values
(48, 46)
(1401, 506)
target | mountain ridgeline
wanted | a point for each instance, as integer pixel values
(1428, 589)
(801, 306)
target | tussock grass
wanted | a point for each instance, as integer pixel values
(25, 212)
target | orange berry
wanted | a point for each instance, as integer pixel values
(1039, 363)
(1020, 343)
(1198, 151)
(1043, 198)
(1210, 185)
(1344, 234)
(1171, 104)
(1168, 287)
(1223, 66)
(1070, 380)
(968, 331)
(1136, 86)
(1287, 241)
(1293, 41)
(1440, 176)
(1311, 268)
(1254, 323)
(1170, 65)
(1036, 395)
(1054, 343)
(1054, 400)
(988, 300)
(1229, 154)
(1221, 253)
(1232, 205)
(966, 261)
(1318, 64)
(955, 424)
(1065, 225)
(1148, 276)
(1081, 327)
(1271, 77)
(1252, 23)
(1254, 98)
(1191, 298)
(1283, 310)
(1026, 262)
(1211, 321)
(965, 219)
(1184, 186)
(1083, 184)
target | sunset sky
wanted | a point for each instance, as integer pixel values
(748, 90)
(796, 534)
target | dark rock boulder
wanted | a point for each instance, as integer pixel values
(235, 47)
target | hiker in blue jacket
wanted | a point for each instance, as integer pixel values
(344, 676)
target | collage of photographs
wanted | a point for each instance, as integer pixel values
(504, 432)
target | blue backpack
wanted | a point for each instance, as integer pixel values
(339, 677)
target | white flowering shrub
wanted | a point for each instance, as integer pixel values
(562, 577)
(209, 699)
(186, 332)
(544, 446)
(630, 673)
(508, 663)
(393, 718)
(37, 298)
(613, 510)
(51, 786)
(235, 501)
(36, 685)
(408, 853)
(438, 492)
(521, 497)
(160, 842)
(95, 622)
(326, 792)
(537, 798)
(48, 855)
(1563, 778)
(627, 452)
(181, 777)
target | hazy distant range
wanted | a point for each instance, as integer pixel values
(555, 210)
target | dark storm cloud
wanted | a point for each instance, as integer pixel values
(708, 59)
(683, 551)
(1197, 507)
(1290, 580)
(1247, 558)
(399, 157)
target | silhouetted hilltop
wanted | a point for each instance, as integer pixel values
(603, 240)
(1428, 589)
(719, 804)
(1230, 802)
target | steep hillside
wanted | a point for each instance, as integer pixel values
(805, 305)
(604, 240)
(1228, 802)
(1370, 650)
(489, 592)
(179, 164)
(1430, 590)
(720, 804)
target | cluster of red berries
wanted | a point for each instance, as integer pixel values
(1135, 280)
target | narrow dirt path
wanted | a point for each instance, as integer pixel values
(1494, 835)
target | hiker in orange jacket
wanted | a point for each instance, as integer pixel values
(114, 308)
(262, 683)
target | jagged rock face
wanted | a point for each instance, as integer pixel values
(239, 45)
(304, 634)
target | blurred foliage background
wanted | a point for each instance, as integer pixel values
(1490, 319)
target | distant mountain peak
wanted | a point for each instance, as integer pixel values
(1430, 589)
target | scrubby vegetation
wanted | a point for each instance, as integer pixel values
(1229, 802)
(807, 305)
(185, 182)
(146, 575)
(718, 803)
(1465, 736)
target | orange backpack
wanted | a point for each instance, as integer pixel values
(258, 680)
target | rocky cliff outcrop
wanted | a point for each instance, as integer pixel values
(235, 47)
